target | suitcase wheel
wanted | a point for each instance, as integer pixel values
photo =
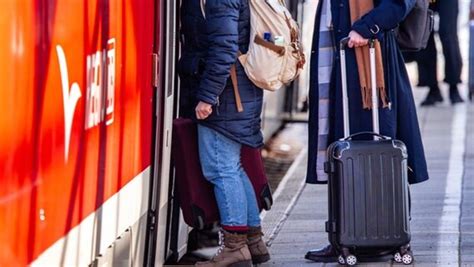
(398, 257)
(199, 223)
(267, 203)
(341, 260)
(404, 255)
(350, 260)
(408, 258)
(266, 197)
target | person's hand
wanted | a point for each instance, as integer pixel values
(203, 110)
(356, 40)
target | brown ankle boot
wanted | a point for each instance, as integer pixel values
(233, 252)
(257, 247)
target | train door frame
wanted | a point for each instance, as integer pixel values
(153, 212)
(160, 200)
(178, 231)
(165, 225)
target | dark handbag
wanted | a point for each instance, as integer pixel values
(413, 32)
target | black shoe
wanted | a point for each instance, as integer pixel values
(437, 94)
(433, 97)
(428, 102)
(326, 254)
(454, 95)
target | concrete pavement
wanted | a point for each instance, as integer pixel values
(442, 215)
(442, 208)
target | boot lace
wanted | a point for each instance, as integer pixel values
(221, 244)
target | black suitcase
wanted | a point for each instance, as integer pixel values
(368, 189)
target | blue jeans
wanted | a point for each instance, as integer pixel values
(220, 162)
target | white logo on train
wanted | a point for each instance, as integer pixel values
(99, 107)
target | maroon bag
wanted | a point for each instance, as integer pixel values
(252, 163)
(195, 193)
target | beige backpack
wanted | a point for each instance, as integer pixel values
(272, 62)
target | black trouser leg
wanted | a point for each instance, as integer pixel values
(448, 32)
(427, 60)
(427, 70)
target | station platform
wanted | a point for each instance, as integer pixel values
(442, 208)
(442, 224)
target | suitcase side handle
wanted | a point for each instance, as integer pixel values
(383, 137)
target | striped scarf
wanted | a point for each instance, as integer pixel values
(326, 50)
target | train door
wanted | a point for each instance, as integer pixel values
(299, 102)
(177, 230)
(161, 201)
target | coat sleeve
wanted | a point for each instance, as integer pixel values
(386, 16)
(222, 18)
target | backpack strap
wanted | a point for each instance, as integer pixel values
(203, 8)
(235, 85)
(280, 50)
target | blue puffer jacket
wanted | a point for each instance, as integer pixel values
(209, 49)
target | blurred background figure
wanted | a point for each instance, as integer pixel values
(427, 60)
(471, 51)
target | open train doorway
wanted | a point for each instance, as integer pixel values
(279, 108)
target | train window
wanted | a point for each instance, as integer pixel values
(306, 19)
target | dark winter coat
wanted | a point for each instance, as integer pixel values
(400, 121)
(210, 48)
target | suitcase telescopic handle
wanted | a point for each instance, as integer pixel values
(345, 99)
(344, 42)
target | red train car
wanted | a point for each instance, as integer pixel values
(88, 98)
(83, 131)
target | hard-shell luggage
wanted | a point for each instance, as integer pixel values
(195, 193)
(368, 188)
